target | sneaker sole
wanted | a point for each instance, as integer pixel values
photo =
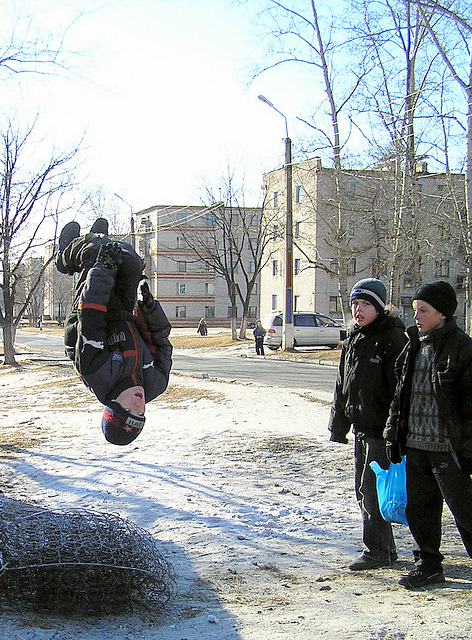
(433, 581)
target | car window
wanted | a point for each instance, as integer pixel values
(304, 321)
(277, 321)
(324, 321)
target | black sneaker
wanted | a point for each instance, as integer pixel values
(419, 578)
(68, 233)
(363, 563)
(100, 226)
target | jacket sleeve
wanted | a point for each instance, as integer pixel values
(154, 328)
(392, 351)
(339, 424)
(91, 350)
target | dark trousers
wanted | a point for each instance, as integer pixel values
(80, 256)
(377, 534)
(259, 345)
(431, 479)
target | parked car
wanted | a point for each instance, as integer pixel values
(309, 330)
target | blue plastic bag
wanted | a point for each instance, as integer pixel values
(391, 491)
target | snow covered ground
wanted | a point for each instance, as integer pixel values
(248, 500)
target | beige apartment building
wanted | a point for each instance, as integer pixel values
(176, 243)
(359, 212)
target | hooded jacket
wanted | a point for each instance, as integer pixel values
(115, 350)
(451, 382)
(366, 380)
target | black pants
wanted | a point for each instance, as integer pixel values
(259, 345)
(377, 534)
(80, 256)
(431, 479)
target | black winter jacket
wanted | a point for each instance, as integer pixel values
(366, 378)
(112, 352)
(452, 386)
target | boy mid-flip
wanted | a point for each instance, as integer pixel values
(120, 350)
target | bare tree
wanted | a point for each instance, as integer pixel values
(234, 246)
(303, 37)
(450, 26)
(31, 202)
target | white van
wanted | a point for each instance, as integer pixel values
(309, 330)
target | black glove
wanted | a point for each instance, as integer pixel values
(338, 438)
(148, 303)
(393, 452)
(110, 256)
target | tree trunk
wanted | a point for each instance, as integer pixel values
(9, 342)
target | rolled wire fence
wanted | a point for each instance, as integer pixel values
(80, 561)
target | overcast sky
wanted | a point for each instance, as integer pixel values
(163, 96)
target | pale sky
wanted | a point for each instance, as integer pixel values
(162, 96)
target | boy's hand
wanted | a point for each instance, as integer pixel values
(393, 452)
(110, 256)
(148, 303)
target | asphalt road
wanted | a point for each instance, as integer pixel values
(316, 379)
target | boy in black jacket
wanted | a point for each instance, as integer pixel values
(364, 389)
(431, 422)
(120, 351)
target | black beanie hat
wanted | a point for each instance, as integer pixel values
(439, 295)
(372, 290)
(120, 426)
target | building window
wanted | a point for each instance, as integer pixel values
(352, 267)
(181, 288)
(181, 266)
(275, 267)
(295, 302)
(408, 281)
(251, 266)
(252, 312)
(229, 312)
(181, 244)
(442, 268)
(210, 218)
(296, 266)
(209, 312)
(274, 301)
(298, 193)
(254, 220)
(182, 217)
(334, 306)
(180, 311)
(296, 230)
(209, 289)
(276, 197)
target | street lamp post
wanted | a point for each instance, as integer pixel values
(133, 241)
(287, 328)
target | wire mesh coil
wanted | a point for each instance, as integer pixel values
(81, 561)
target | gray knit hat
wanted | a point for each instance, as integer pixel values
(372, 290)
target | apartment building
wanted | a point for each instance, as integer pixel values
(177, 244)
(358, 212)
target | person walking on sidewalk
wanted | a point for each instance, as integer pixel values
(431, 422)
(364, 389)
(259, 334)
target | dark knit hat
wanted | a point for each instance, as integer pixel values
(120, 426)
(372, 290)
(439, 295)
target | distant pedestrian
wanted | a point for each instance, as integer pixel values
(364, 389)
(431, 422)
(202, 328)
(259, 333)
